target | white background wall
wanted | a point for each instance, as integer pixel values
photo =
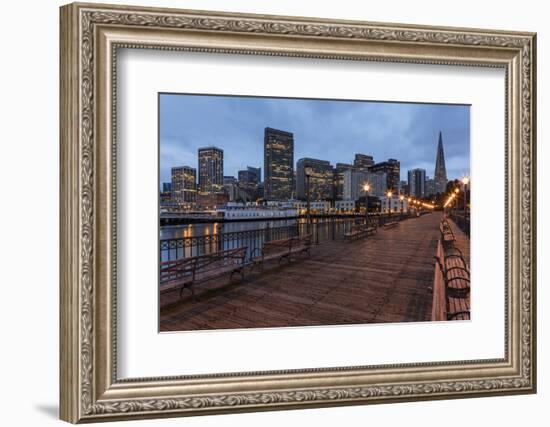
(29, 171)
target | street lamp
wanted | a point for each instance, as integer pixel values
(401, 197)
(366, 189)
(307, 172)
(465, 181)
(389, 194)
(456, 191)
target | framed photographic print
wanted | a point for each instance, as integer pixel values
(265, 212)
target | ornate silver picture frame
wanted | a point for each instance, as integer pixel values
(91, 36)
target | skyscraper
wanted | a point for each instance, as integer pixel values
(362, 162)
(184, 188)
(417, 182)
(278, 164)
(440, 175)
(210, 169)
(321, 179)
(392, 169)
(248, 182)
(339, 179)
(256, 171)
(430, 187)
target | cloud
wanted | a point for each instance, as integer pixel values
(328, 130)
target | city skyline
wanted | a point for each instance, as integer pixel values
(188, 122)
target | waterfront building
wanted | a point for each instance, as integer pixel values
(210, 169)
(236, 211)
(317, 206)
(184, 187)
(392, 169)
(430, 187)
(395, 204)
(417, 182)
(339, 179)
(354, 182)
(209, 201)
(344, 206)
(440, 174)
(166, 187)
(278, 164)
(321, 179)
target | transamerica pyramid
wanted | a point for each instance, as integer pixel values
(440, 174)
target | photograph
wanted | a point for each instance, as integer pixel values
(293, 212)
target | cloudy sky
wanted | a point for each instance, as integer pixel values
(323, 129)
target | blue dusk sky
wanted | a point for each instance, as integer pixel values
(323, 129)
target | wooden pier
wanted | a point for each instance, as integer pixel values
(386, 277)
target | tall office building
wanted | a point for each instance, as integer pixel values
(184, 187)
(430, 187)
(166, 187)
(417, 182)
(321, 179)
(362, 162)
(392, 169)
(255, 171)
(354, 182)
(403, 187)
(210, 169)
(339, 179)
(440, 175)
(278, 164)
(248, 182)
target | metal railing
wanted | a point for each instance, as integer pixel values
(322, 230)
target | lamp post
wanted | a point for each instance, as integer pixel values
(465, 182)
(307, 172)
(389, 194)
(456, 191)
(366, 189)
(402, 198)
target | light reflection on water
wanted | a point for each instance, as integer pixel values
(193, 230)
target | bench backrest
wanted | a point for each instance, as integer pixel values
(301, 241)
(216, 260)
(276, 246)
(177, 269)
(186, 267)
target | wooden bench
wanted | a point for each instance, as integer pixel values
(451, 288)
(439, 299)
(447, 235)
(458, 309)
(360, 230)
(457, 274)
(186, 272)
(281, 249)
(391, 224)
(300, 245)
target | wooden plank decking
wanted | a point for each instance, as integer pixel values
(384, 278)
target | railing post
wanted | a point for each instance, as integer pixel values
(316, 225)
